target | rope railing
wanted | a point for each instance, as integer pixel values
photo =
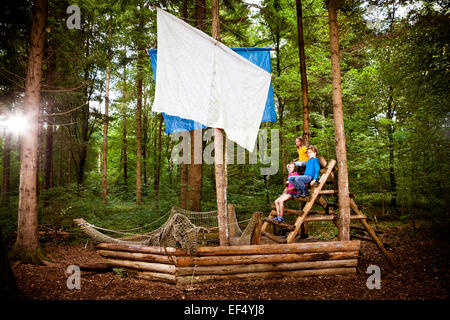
(86, 224)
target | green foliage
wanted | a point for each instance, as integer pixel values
(121, 272)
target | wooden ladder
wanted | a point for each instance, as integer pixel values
(310, 200)
(318, 195)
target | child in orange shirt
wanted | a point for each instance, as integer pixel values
(302, 156)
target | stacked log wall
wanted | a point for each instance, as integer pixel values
(265, 261)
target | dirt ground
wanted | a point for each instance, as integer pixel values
(421, 273)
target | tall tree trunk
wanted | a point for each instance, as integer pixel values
(69, 167)
(60, 148)
(145, 139)
(48, 166)
(170, 170)
(184, 167)
(219, 161)
(158, 161)
(183, 184)
(27, 241)
(139, 81)
(304, 80)
(40, 152)
(99, 160)
(280, 99)
(390, 116)
(84, 120)
(6, 174)
(124, 129)
(339, 130)
(196, 167)
(195, 171)
(105, 122)
(391, 129)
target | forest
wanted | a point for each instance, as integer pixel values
(102, 154)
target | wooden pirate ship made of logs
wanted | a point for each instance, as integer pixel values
(184, 250)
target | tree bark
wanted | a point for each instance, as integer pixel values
(195, 172)
(140, 60)
(184, 167)
(48, 166)
(281, 102)
(219, 161)
(124, 119)
(391, 129)
(196, 166)
(84, 120)
(6, 174)
(69, 167)
(158, 161)
(304, 80)
(27, 223)
(60, 149)
(339, 130)
(105, 121)
(145, 139)
(183, 184)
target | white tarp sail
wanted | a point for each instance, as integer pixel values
(201, 79)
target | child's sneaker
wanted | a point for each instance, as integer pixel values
(303, 193)
(278, 219)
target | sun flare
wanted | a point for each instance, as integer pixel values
(16, 124)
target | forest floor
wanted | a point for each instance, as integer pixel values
(421, 273)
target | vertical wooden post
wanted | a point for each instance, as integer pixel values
(339, 130)
(219, 161)
(256, 237)
(304, 80)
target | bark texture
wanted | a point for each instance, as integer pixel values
(339, 130)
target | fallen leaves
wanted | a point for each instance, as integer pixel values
(411, 279)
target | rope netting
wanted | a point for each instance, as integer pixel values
(183, 229)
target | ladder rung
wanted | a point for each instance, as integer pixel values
(303, 199)
(331, 217)
(272, 237)
(334, 192)
(328, 192)
(323, 218)
(280, 224)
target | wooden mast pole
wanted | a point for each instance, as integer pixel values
(219, 161)
(343, 221)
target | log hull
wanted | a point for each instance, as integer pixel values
(267, 275)
(267, 261)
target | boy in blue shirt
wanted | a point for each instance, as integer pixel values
(311, 173)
